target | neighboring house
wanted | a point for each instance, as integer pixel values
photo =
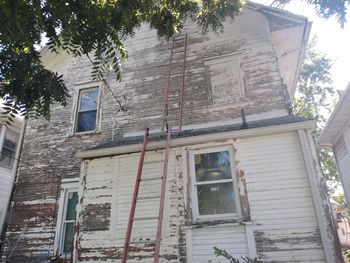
(253, 189)
(336, 134)
(10, 144)
(341, 214)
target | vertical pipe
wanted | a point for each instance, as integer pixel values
(134, 197)
(162, 197)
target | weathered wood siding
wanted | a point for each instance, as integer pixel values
(283, 219)
(49, 147)
(108, 185)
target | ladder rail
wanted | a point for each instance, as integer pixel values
(182, 86)
(134, 197)
(167, 89)
(162, 197)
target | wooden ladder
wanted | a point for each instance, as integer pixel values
(135, 197)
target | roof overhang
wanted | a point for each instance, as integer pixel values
(289, 34)
(338, 120)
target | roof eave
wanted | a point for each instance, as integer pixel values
(218, 136)
(326, 138)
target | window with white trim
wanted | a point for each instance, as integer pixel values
(8, 148)
(66, 218)
(214, 188)
(87, 110)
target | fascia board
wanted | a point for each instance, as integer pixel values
(89, 154)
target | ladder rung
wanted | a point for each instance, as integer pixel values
(145, 218)
(142, 241)
(152, 178)
(153, 162)
(180, 38)
(148, 197)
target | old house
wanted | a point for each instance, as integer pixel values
(244, 181)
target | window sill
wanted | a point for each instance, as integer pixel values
(208, 223)
(82, 134)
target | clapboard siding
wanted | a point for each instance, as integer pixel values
(280, 199)
(232, 239)
(281, 206)
(115, 189)
(342, 153)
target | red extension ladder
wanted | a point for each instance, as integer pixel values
(166, 156)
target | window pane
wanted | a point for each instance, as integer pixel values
(68, 238)
(71, 205)
(215, 199)
(9, 144)
(212, 166)
(6, 157)
(88, 100)
(86, 121)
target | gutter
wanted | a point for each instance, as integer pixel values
(218, 136)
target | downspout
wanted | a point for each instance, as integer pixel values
(329, 238)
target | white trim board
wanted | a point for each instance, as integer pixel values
(197, 139)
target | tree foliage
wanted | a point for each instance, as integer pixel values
(315, 98)
(223, 253)
(325, 8)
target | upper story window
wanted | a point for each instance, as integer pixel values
(214, 188)
(87, 110)
(9, 142)
(224, 79)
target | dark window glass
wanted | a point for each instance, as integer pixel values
(86, 121)
(8, 150)
(212, 166)
(87, 110)
(71, 206)
(68, 239)
(69, 222)
(215, 199)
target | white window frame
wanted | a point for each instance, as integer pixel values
(2, 138)
(81, 87)
(195, 211)
(67, 186)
